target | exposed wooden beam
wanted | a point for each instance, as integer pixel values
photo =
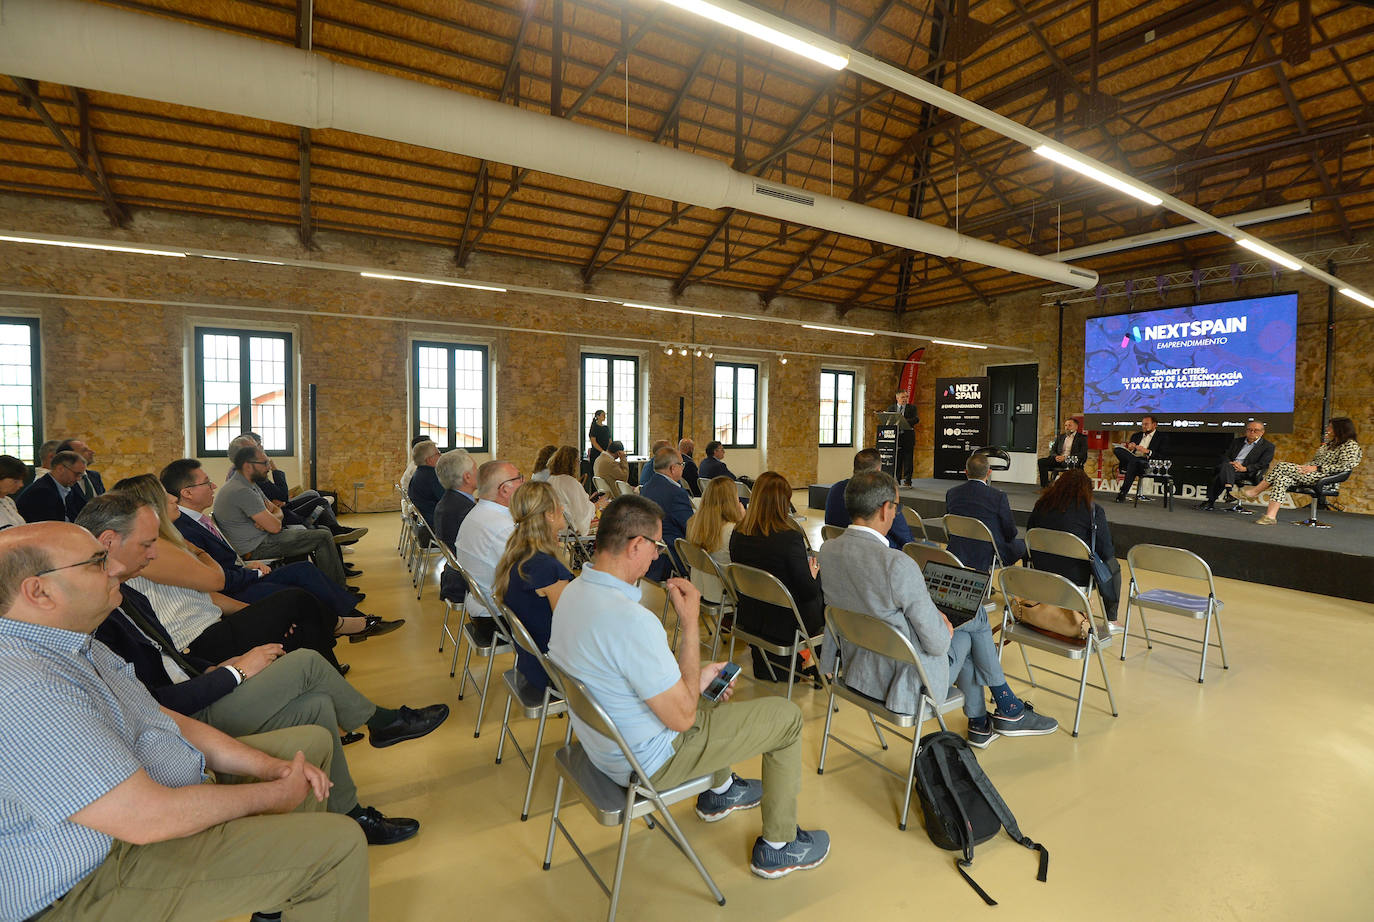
(95, 175)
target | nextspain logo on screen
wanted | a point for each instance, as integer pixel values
(1210, 332)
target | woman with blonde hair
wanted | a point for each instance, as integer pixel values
(711, 528)
(531, 576)
(563, 468)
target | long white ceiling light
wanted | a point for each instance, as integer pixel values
(1364, 299)
(1184, 231)
(817, 326)
(429, 281)
(913, 86)
(85, 245)
(670, 310)
(768, 28)
(1083, 167)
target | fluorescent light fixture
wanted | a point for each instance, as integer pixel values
(1364, 299)
(815, 326)
(92, 246)
(1065, 159)
(670, 310)
(1181, 232)
(423, 281)
(1273, 256)
(955, 342)
(240, 259)
(763, 26)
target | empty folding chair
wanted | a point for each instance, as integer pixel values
(1175, 561)
(963, 526)
(478, 643)
(603, 486)
(870, 633)
(1052, 589)
(447, 633)
(831, 531)
(706, 576)
(753, 583)
(655, 598)
(924, 552)
(913, 522)
(610, 803)
(534, 704)
(622, 487)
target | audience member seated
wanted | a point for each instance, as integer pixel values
(768, 539)
(425, 491)
(410, 461)
(865, 460)
(1134, 457)
(541, 463)
(664, 487)
(598, 436)
(482, 538)
(55, 497)
(253, 526)
(713, 465)
(1245, 460)
(45, 453)
(611, 464)
(308, 507)
(604, 638)
(571, 495)
(194, 493)
(977, 498)
(1067, 505)
(458, 476)
(11, 482)
(863, 575)
(711, 528)
(1339, 452)
(131, 831)
(531, 575)
(1069, 444)
(690, 473)
(90, 483)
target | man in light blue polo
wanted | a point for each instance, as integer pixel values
(603, 637)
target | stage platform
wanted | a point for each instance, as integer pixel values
(1336, 561)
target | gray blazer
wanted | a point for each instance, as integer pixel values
(861, 573)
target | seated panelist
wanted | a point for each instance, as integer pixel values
(1071, 443)
(1140, 449)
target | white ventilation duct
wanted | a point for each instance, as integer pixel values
(98, 47)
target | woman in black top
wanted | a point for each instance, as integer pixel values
(769, 540)
(598, 437)
(1067, 505)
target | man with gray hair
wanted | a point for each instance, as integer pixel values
(977, 498)
(425, 491)
(664, 486)
(863, 574)
(482, 537)
(457, 472)
(56, 496)
(690, 474)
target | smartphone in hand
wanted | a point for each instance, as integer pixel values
(721, 682)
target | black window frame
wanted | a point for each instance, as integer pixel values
(632, 444)
(415, 346)
(246, 334)
(734, 402)
(835, 403)
(36, 379)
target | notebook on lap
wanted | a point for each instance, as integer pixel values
(957, 592)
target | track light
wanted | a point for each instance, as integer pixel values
(667, 350)
(682, 351)
(698, 353)
(782, 360)
(1272, 255)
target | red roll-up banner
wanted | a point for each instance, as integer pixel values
(909, 372)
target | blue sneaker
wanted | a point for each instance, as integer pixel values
(981, 737)
(806, 851)
(742, 794)
(1027, 723)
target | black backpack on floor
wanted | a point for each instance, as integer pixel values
(961, 807)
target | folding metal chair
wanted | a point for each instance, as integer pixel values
(445, 632)
(427, 548)
(707, 577)
(499, 643)
(1053, 589)
(870, 633)
(743, 490)
(921, 553)
(623, 487)
(1175, 561)
(913, 522)
(762, 586)
(1066, 544)
(579, 547)
(831, 531)
(655, 598)
(963, 526)
(534, 704)
(609, 803)
(401, 535)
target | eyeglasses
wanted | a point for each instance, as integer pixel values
(659, 546)
(510, 480)
(262, 463)
(99, 558)
(192, 486)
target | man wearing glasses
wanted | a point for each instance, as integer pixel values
(606, 639)
(56, 496)
(482, 538)
(665, 488)
(253, 526)
(135, 833)
(1245, 461)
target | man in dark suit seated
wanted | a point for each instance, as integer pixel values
(1068, 444)
(56, 496)
(690, 474)
(1134, 457)
(457, 472)
(836, 514)
(1245, 461)
(978, 499)
(664, 486)
(91, 484)
(424, 490)
(713, 465)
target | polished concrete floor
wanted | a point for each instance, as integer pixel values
(1245, 798)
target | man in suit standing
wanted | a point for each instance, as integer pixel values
(1245, 461)
(665, 487)
(55, 497)
(906, 440)
(977, 498)
(1068, 444)
(1134, 457)
(90, 484)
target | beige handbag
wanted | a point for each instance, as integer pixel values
(1051, 619)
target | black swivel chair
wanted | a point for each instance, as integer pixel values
(1229, 500)
(998, 459)
(1322, 490)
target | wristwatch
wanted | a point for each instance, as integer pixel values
(236, 673)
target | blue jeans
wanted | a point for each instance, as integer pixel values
(974, 662)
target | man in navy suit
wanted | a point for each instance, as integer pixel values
(457, 471)
(424, 489)
(713, 465)
(1245, 461)
(979, 499)
(836, 514)
(55, 497)
(665, 487)
(91, 485)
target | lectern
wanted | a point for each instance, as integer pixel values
(890, 428)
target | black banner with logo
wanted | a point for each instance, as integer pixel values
(961, 423)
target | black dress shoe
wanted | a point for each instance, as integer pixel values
(1121, 497)
(350, 738)
(351, 571)
(410, 724)
(1208, 506)
(265, 917)
(344, 667)
(375, 627)
(386, 830)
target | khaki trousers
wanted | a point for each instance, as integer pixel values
(728, 733)
(308, 865)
